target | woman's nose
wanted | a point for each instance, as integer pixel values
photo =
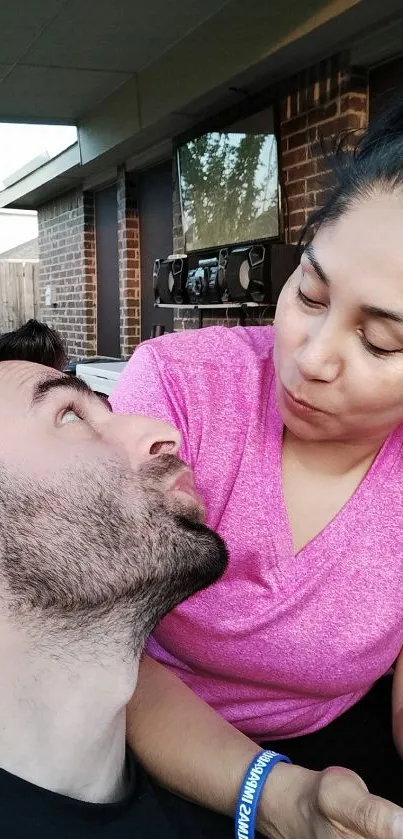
(320, 357)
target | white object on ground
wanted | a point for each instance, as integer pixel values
(101, 376)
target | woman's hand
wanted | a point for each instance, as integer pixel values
(334, 804)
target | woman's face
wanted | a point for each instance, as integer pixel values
(339, 328)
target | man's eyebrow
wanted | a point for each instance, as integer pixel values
(310, 253)
(67, 383)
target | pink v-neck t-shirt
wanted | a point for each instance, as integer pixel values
(282, 644)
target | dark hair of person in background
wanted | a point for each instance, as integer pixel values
(36, 342)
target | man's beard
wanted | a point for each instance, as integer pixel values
(102, 546)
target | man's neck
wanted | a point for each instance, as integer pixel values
(63, 717)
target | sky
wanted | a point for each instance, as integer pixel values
(19, 144)
(16, 229)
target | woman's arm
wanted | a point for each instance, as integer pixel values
(187, 747)
(192, 751)
(397, 705)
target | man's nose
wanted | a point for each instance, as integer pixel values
(143, 437)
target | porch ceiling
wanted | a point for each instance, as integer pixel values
(135, 74)
(60, 58)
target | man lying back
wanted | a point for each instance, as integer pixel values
(101, 533)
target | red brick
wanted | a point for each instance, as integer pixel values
(294, 125)
(297, 219)
(339, 125)
(64, 247)
(294, 235)
(298, 173)
(340, 97)
(128, 236)
(292, 158)
(296, 140)
(312, 134)
(353, 102)
(296, 188)
(317, 182)
(321, 197)
(297, 203)
(318, 115)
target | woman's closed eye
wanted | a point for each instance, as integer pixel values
(309, 301)
(371, 347)
(375, 350)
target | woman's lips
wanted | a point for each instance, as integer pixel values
(299, 406)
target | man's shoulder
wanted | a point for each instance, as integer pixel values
(147, 813)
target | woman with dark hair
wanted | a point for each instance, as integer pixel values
(295, 436)
(34, 341)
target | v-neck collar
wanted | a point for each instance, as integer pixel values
(292, 563)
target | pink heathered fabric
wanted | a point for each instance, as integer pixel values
(283, 644)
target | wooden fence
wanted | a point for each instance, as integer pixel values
(19, 294)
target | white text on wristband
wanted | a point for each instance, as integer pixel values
(249, 794)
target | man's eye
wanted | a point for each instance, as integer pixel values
(70, 416)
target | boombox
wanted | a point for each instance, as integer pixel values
(257, 273)
(222, 275)
(169, 280)
(248, 273)
(203, 282)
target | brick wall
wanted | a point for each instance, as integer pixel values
(67, 265)
(129, 263)
(321, 102)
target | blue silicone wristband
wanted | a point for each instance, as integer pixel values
(249, 794)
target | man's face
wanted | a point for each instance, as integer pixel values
(97, 514)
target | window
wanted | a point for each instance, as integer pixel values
(228, 184)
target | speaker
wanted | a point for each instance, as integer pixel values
(169, 280)
(247, 272)
(211, 289)
(222, 275)
(195, 285)
(202, 282)
(257, 273)
(283, 262)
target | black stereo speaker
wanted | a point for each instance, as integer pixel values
(169, 280)
(257, 273)
(283, 262)
(203, 282)
(211, 289)
(222, 275)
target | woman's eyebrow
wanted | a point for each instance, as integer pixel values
(382, 314)
(371, 311)
(310, 254)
